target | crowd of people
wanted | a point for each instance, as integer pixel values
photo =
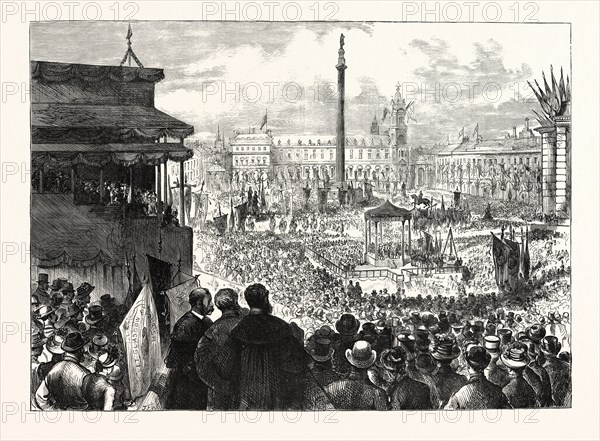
(251, 359)
(76, 350)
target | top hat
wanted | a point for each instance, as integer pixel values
(477, 327)
(100, 339)
(505, 335)
(95, 314)
(550, 345)
(392, 359)
(107, 359)
(477, 357)
(361, 355)
(492, 344)
(347, 324)
(322, 350)
(42, 278)
(536, 332)
(73, 342)
(56, 285)
(106, 298)
(445, 348)
(515, 356)
(404, 336)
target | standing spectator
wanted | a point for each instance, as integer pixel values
(41, 292)
(62, 388)
(188, 390)
(518, 391)
(447, 382)
(356, 392)
(262, 358)
(558, 370)
(406, 393)
(478, 393)
(493, 372)
(219, 392)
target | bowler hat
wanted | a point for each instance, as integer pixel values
(44, 311)
(56, 285)
(404, 336)
(116, 374)
(536, 332)
(515, 356)
(550, 345)
(73, 342)
(67, 288)
(477, 357)
(95, 314)
(325, 332)
(445, 348)
(361, 355)
(322, 350)
(347, 324)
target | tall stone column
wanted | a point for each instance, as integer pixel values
(548, 169)
(340, 158)
(562, 163)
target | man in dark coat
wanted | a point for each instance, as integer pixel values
(447, 382)
(219, 394)
(479, 392)
(406, 393)
(188, 390)
(558, 371)
(356, 392)
(518, 391)
(262, 359)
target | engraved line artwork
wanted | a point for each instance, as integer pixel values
(300, 216)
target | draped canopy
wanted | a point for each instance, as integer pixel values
(388, 212)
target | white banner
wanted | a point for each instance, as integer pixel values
(140, 333)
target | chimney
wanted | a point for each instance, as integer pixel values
(514, 131)
(527, 124)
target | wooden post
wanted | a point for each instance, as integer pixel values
(41, 186)
(181, 196)
(366, 238)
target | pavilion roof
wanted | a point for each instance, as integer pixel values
(388, 211)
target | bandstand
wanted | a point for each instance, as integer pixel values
(377, 217)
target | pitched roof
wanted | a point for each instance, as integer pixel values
(387, 210)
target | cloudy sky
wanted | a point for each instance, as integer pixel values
(229, 74)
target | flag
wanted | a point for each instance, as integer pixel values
(500, 254)
(461, 134)
(526, 259)
(264, 121)
(140, 333)
(428, 246)
(129, 33)
(512, 262)
(443, 207)
(179, 298)
(160, 274)
(410, 112)
(135, 287)
(476, 131)
(221, 223)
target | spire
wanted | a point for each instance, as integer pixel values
(129, 54)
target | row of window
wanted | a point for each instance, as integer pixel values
(514, 160)
(252, 161)
(254, 148)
